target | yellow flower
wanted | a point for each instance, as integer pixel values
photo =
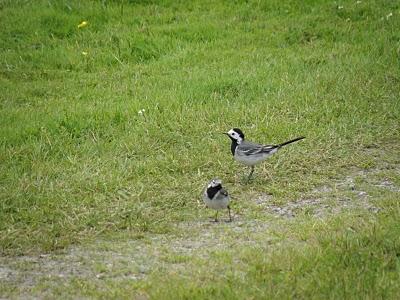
(83, 24)
(84, 53)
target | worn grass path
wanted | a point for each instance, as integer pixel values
(221, 259)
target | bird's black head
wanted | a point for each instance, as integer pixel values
(235, 134)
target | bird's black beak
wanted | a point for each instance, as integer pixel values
(224, 133)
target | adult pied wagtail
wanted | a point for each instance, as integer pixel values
(251, 154)
(216, 197)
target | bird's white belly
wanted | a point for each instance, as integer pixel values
(251, 160)
(217, 203)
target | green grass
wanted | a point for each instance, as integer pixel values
(78, 162)
(359, 261)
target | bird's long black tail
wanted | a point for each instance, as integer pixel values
(291, 141)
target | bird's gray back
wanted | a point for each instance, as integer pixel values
(250, 148)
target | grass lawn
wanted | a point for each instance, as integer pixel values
(110, 129)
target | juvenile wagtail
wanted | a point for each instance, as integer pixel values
(251, 154)
(216, 197)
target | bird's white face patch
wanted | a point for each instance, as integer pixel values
(215, 182)
(236, 136)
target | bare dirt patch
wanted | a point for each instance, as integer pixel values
(341, 195)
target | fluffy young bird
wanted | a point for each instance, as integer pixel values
(251, 154)
(216, 197)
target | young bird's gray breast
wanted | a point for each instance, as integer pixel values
(220, 199)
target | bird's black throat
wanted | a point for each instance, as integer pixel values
(235, 140)
(234, 144)
(213, 190)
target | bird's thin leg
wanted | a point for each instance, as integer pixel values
(216, 217)
(229, 211)
(251, 173)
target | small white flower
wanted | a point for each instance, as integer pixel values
(340, 7)
(141, 111)
(388, 16)
(358, 2)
